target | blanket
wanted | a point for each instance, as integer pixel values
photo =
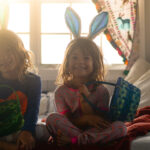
(138, 127)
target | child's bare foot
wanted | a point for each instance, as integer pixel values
(62, 139)
(50, 140)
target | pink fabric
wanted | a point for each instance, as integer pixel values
(64, 112)
(68, 99)
(138, 127)
(56, 121)
(74, 140)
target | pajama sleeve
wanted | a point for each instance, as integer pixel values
(60, 103)
(34, 95)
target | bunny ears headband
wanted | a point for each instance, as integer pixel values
(98, 24)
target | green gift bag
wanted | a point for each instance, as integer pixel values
(11, 119)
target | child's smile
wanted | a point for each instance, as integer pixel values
(8, 64)
(80, 65)
(80, 68)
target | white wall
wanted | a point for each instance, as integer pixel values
(147, 29)
(141, 7)
(144, 17)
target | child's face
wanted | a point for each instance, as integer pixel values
(80, 65)
(8, 63)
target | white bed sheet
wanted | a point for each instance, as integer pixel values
(141, 143)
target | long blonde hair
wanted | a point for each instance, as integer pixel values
(11, 42)
(86, 46)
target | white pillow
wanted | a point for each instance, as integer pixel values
(143, 83)
(137, 70)
(43, 104)
(51, 107)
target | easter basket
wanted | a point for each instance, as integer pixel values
(11, 119)
(124, 102)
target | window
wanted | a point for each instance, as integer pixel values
(19, 17)
(41, 25)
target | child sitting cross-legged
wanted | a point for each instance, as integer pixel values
(75, 121)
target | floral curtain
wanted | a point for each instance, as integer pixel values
(122, 30)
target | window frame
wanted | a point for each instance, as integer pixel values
(35, 32)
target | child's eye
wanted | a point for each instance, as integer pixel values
(1, 65)
(74, 57)
(87, 58)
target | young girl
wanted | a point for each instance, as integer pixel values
(75, 121)
(15, 63)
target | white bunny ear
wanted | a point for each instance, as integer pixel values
(73, 22)
(98, 24)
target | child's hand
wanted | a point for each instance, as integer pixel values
(85, 107)
(84, 90)
(25, 141)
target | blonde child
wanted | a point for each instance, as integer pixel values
(15, 63)
(75, 121)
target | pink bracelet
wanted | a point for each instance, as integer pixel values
(74, 140)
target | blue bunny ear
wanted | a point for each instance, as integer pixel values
(73, 22)
(98, 24)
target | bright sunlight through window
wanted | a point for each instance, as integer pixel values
(19, 17)
(54, 34)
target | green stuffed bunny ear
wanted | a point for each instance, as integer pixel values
(73, 22)
(98, 24)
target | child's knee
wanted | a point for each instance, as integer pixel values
(52, 118)
(120, 128)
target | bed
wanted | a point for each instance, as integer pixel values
(139, 75)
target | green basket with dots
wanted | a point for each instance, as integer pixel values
(124, 102)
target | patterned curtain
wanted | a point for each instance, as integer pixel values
(4, 12)
(122, 31)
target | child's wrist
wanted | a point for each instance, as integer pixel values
(88, 94)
